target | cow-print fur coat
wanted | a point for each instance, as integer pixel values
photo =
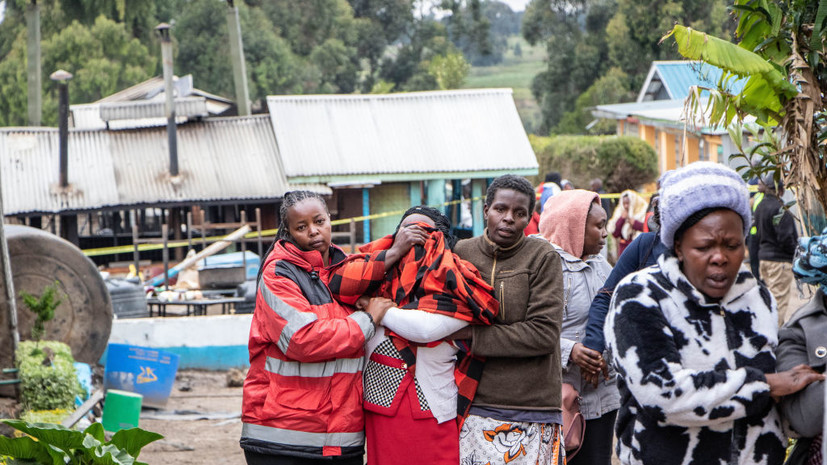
(691, 370)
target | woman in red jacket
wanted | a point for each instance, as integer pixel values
(303, 394)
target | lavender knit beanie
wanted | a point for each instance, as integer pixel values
(698, 186)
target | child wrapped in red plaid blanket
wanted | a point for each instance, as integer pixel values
(412, 380)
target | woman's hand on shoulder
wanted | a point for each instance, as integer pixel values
(791, 381)
(377, 307)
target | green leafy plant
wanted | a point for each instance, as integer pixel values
(43, 307)
(47, 375)
(57, 445)
(781, 55)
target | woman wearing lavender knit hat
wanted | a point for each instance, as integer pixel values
(693, 337)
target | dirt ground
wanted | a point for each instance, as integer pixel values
(201, 421)
(188, 440)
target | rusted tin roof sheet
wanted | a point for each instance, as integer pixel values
(221, 159)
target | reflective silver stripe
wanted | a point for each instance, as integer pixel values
(314, 370)
(364, 322)
(296, 319)
(301, 438)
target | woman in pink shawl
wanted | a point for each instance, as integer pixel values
(575, 224)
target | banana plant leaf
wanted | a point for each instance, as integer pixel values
(697, 45)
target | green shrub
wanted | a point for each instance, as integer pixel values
(47, 375)
(620, 162)
(43, 307)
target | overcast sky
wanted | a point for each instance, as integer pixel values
(516, 5)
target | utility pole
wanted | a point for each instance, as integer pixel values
(8, 282)
(35, 99)
(242, 94)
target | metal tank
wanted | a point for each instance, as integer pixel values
(83, 320)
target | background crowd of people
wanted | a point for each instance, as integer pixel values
(462, 352)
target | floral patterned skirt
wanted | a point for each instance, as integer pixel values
(484, 441)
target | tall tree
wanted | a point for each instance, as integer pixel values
(469, 27)
(103, 58)
(481, 30)
(449, 70)
(203, 51)
(308, 24)
(393, 17)
(379, 23)
(13, 86)
(574, 33)
(586, 38)
(408, 70)
(316, 46)
(612, 87)
(638, 25)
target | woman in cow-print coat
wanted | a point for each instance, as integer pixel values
(693, 337)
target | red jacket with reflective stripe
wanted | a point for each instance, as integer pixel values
(303, 393)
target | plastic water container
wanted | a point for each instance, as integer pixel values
(121, 410)
(84, 374)
(143, 370)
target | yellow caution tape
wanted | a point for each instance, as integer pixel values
(264, 233)
(121, 249)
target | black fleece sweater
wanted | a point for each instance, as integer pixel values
(776, 242)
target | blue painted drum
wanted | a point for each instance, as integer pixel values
(142, 370)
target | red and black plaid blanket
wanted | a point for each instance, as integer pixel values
(429, 278)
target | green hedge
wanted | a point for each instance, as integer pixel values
(621, 162)
(47, 375)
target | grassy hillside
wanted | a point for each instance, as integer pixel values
(515, 72)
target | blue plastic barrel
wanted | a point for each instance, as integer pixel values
(143, 370)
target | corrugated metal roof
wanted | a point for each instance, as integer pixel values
(137, 114)
(142, 106)
(86, 116)
(220, 159)
(668, 113)
(678, 76)
(184, 106)
(139, 91)
(460, 131)
(30, 171)
(154, 86)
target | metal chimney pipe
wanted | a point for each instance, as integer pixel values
(166, 56)
(62, 78)
(242, 94)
